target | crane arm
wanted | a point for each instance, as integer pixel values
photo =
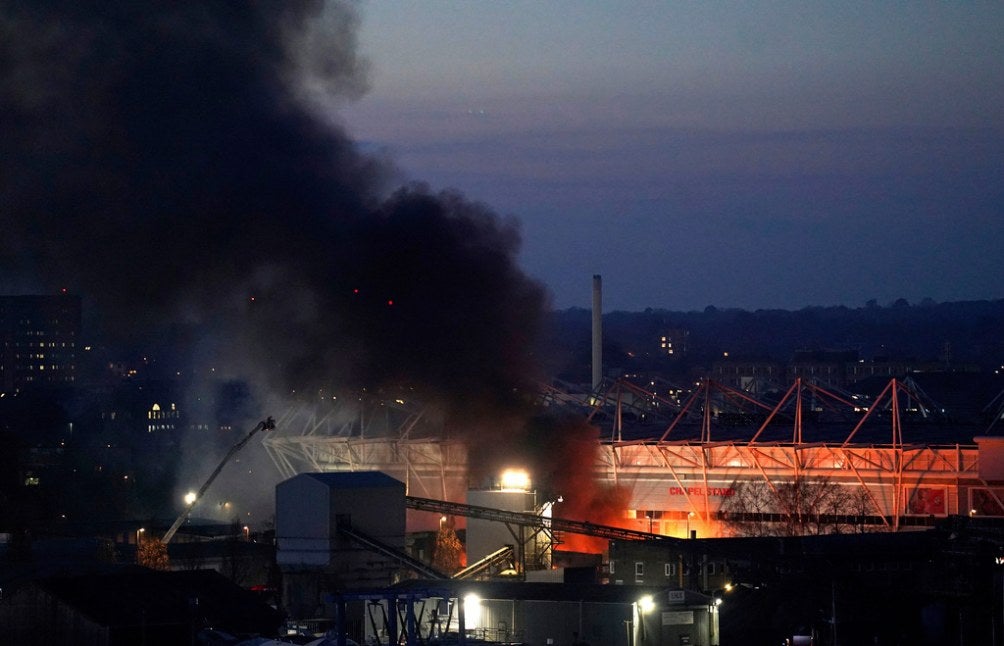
(266, 425)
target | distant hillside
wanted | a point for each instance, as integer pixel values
(968, 332)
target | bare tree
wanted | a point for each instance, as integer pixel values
(797, 507)
(237, 564)
(747, 510)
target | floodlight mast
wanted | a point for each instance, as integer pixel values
(267, 424)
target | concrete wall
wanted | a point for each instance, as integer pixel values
(303, 522)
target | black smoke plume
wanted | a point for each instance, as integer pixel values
(168, 161)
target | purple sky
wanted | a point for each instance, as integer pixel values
(754, 155)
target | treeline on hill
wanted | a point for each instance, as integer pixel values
(968, 333)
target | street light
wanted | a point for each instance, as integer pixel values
(689, 515)
(472, 609)
(642, 607)
(139, 548)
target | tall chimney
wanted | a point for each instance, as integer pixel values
(597, 331)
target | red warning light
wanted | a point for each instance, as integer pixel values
(390, 301)
(355, 291)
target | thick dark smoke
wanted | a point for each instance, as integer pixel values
(166, 161)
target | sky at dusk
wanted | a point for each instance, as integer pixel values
(752, 155)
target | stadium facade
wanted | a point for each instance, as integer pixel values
(707, 460)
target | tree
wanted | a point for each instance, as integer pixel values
(238, 563)
(798, 507)
(447, 557)
(152, 553)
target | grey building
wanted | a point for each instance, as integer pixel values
(317, 515)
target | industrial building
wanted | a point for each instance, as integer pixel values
(340, 545)
(337, 531)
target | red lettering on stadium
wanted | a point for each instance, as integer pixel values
(720, 492)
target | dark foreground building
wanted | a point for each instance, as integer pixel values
(529, 614)
(132, 607)
(941, 586)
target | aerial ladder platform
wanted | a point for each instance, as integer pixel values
(267, 424)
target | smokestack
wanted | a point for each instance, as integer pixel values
(597, 331)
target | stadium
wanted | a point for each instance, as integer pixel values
(711, 459)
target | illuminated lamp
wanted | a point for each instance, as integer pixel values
(515, 479)
(472, 609)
